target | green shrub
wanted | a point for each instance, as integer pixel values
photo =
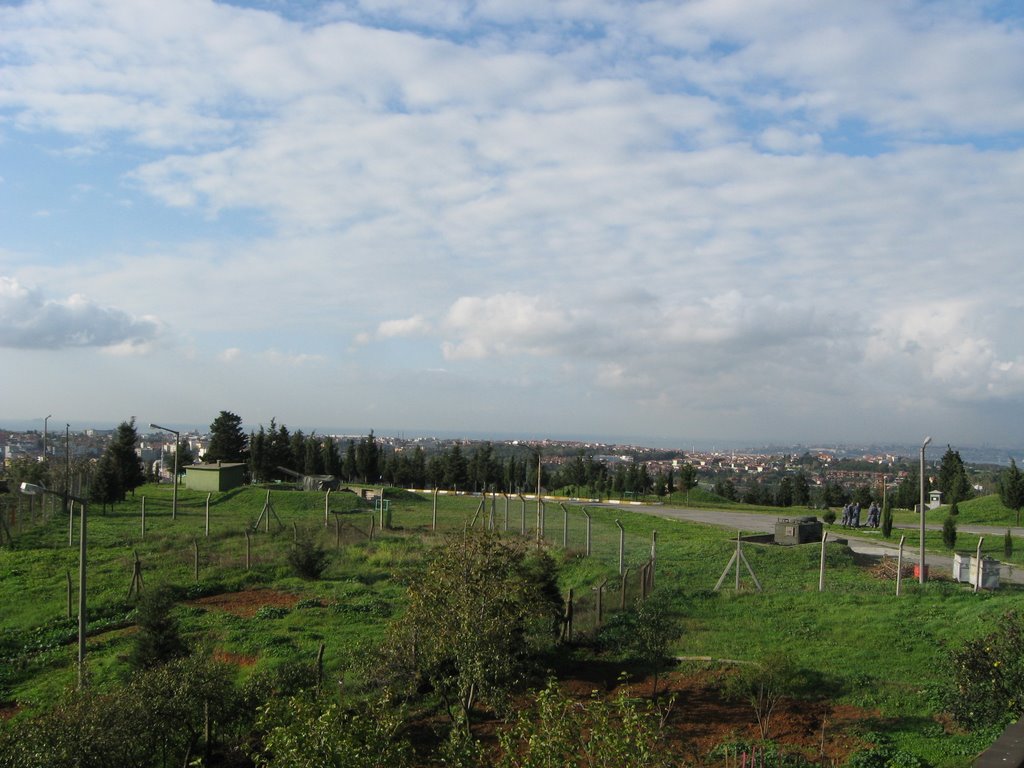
(1007, 545)
(949, 531)
(829, 516)
(308, 559)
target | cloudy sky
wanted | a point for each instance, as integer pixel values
(691, 220)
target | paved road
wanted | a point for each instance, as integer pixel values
(865, 541)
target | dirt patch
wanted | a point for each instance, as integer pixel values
(8, 709)
(237, 659)
(245, 604)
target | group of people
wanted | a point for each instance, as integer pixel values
(851, 515)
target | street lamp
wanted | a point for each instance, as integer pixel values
(920, 574)
(44, 435)
(32, 489)
(177, 438)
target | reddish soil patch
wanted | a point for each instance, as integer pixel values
(245, 604)
(238, 659)
(701, 719)
(8, 709)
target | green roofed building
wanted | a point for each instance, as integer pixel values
(214, 477)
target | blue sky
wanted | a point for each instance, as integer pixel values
(762, 220)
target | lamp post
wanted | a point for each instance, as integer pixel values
(46, 419)
(177, 439)
(920, 574)
(37, 490)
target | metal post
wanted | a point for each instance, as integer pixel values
(977, 559)
(565, 526)
(82, 614)
(821, 568)
(143, 518)
(622, 547)
(921, 565)
(433, 516)
(899, 566)
(327, 508)
(654, 555)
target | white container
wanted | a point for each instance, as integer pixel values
(989, 573)
(962, 568)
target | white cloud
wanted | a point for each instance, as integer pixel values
(410, 326)
(29, 321)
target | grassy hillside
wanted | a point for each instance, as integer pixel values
(873, 649)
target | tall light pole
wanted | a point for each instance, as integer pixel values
(920, 574)
(177, 440)
(37, 490)
(46, 419)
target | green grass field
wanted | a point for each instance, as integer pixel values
(874, 649)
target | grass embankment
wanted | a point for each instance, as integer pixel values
(870, 648)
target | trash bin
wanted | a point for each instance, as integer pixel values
(989, 572)
(962, 568)
(917, 571)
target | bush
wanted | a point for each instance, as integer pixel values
(158, 639)
(987, 687)
(1007, 545)
(949, 531)
(829, 516)
(308, 559)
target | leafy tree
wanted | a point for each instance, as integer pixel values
(302, 731)
(105, 482)
(687, 479)
(158, 639)
(330, 457)
(801, 490)
(908, 492)
(228, 441)
(726, 489)
(125, 460)
(953, 481)
(646, 633)
(476, 617)
(560, 731)
(764, 685)
(1011, 489)
(308, 559)
(987, 686)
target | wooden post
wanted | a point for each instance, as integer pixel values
(645, 571)
(337, 531)
(208, 514)
(195, 546)
(320, 666)
(295, 533)
(654, 557)
(371, 528)
(143, 518)
(587, 514)
(600, 602)
(821, 568)
(248, 549)
(568, 617)
(433, 516)
(977, 559)
(899, 566)
(622, 547)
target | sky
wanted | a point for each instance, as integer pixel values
(763, 220)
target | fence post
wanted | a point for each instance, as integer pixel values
(327, 508)
(622, 599)
(600, 602)
(622, 546)
(522, 521)
(821, 568)
(208, 514)
(588, 530)
(506, 512)
(568, 617)
(654, 557)
(433, 517)
(899, 567)
(565, 525)
(248, 549)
